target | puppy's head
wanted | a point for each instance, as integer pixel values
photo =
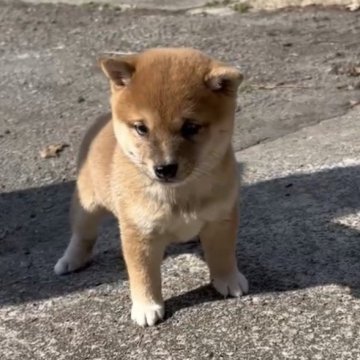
(173, 110)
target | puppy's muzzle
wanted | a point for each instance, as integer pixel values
(166, 172)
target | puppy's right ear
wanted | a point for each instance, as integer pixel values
(118, 68)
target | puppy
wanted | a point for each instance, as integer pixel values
(163, 164)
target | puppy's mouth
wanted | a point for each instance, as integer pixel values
(168, 182)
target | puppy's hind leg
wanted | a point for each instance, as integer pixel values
(85, 218)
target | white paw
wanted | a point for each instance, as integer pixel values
(234, 284)
(66, 265)
(147, 314)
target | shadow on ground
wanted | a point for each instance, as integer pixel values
(291, 237)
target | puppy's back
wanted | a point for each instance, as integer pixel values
(95, 159)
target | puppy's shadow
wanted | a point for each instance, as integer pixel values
(302, 231)
(200, 295)
(296, 232)
(34, 233)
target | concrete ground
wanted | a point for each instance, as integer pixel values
(298, 145)
(238, 5)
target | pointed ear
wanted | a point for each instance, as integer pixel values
(224, 79)
(118, 68)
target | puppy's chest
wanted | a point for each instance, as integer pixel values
(180, 219)
(181, 227)
(179, 223)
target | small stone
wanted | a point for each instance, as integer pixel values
(343, 86)
(334, 69)
(353, 6)
(215, 11)
(80, 99)
(354, 103)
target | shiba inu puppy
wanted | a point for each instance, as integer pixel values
(163, 164)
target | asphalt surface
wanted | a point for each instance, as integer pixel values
(297, 137)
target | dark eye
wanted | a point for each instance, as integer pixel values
(141, 129)
(190, 129)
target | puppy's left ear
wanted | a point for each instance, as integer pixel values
(118, 68)
(224, 79)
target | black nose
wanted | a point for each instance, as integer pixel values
(166, 172)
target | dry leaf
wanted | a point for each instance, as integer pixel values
(349, 69)
(53, 150)
(354, 70)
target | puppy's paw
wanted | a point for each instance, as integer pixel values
(234, 284)
(147, 314)
(68, 264)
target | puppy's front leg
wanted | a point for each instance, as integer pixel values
(218, 239)
(143, 256)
